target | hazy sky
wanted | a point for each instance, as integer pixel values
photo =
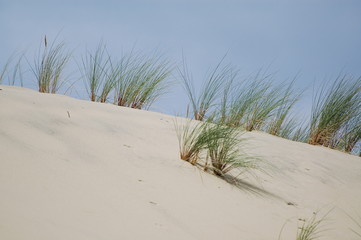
(318, 38)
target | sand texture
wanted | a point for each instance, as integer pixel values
(74, 169)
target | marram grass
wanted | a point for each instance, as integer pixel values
(141, 80)
(279, 125)
(49, 66)
(192, 139)
(215, 142)
(94, 68)
(206, 99)
(333, 107)
(252, 102)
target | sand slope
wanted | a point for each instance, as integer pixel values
(73, 169)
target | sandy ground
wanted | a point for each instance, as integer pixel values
(73, 169)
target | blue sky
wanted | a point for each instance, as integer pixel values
(317, 38)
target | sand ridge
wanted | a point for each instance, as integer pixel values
(74, 169)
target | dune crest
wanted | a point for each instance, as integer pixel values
(75, 169)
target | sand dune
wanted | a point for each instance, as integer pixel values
(73, 169)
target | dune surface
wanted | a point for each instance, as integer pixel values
(74, 169)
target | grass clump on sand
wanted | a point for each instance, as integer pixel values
(142, 79)
(95, 68)
(193, 137)
(352, 134)
(49, 66)
(215, 142)
(134, 81)
(224, 151)
(333, 108)
(280, 124)
(255, 104)
(310, 228)
(206, 99)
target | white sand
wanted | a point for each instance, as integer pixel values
(109, 172)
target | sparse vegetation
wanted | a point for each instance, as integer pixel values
(310, 228)
(205, 100)
(94, 67)
(136, 80)
(192, 139)
(224, 151)
(141, 80)
(49, 65)
(13, 73)
(280, 125)
(263, 106)
(255, 102)
(219, 143)
(333, 108)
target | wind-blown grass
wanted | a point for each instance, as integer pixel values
(49, 66)
(301, 132)
(94, 68)
(227, 95)
(218, 143)
(224, 151)
(240, 98)
(254, 101)
(141, 80)
(195, 137)
(310, 229)
(278, 126)
(288, 129)
(15, 74)
(334, 107)
(209, 93)
(111, 78)
(4, 70)
(352, 134)
(263, 109)
(192, 137)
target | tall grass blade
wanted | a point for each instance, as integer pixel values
(287, 100)
(209, 93)
(333, 107)
(192, 138)
(94, 67)
(224, 150)
(141, 80)
(311, 228)
(49, 66)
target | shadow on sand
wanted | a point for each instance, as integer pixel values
(249, 187)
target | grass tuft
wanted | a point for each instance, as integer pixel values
(333, 108)
(218, 143)
(49, 66)
(279, 125)
(224, 151)
(192, 137)
(310, 228)
(141, 80)
(252, 102)
(94, 68)
(210, 91)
